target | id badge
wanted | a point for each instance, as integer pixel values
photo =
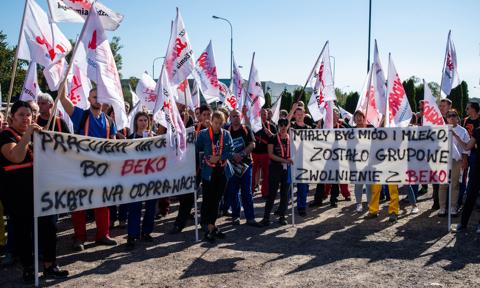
(284, 166)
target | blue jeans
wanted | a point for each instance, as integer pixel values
(302, 192)
(411, 194)
(472, 163)
(134, 215)
(232, 197)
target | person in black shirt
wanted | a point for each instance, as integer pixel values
(16, 162)
(474, 182)
(243, 144)
(261, 159)
(279, 153)
(45, 104)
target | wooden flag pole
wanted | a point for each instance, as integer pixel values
(15, 61)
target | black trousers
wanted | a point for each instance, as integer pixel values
(472, 194)
(277, 177)
(184, 209)
(320, 190)
(212, 192)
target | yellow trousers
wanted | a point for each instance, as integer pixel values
(393, 207)
(3, 240)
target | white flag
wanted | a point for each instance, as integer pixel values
(224, 92)
(328, 120)
(366, 102)
(30, 88)
(37, 43)
(255, 98)
(449, 72)
(431, 113)
(179, 58)
(136, 107)
(195, 95)
(345, 114)
(206, 74)
(399, 111)
(183, 93)
(236, 86)
(78, 87)
(102, 68)
(323, 89)
(146, 91)
(276, 110)
(380, 92)
(55, 74)
(77, 11)
(167, 114)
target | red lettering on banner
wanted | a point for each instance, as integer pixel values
(395, 97)
(210, 72)
(144, 166)
(426, 176)
(83, 3)
(92, 44)
(432, 115)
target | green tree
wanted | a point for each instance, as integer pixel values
(409, 86)
(351, 101)
(341, 97)
(7, 56)
(287, 100)
(459, 97)
(116, 46)
(268, 100)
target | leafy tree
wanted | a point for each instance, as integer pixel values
(409, 86)
(268, 100)
(459, 97)
(351, 101)
(287, 100)
(116, 46)
(7, 56)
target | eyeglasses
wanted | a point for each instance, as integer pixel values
(452, 115)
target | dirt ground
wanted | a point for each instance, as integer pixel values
(331, 247)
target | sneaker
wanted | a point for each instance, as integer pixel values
(282, 221)
(435, 206)
(209, 237)
(147, 238)
(253, 223)
(458, 228)
(78, 245)
(107, 241)
(265, 222)
(359, 208)
(175, 230)
(28, 275)
(392, 218)
(371, 216)
(315, 204)
(130, 243)
(54, 272)
(218, 234)
(442, 213)
(236, 221)
(414, 210)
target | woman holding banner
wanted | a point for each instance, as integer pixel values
(279, 152)
(16, 161)
(141, 123)
(216, 146)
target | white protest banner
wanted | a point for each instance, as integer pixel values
(73, 172)
(366, 156)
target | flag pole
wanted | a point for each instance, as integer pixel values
(15, 61)
(63, 83)
(310, 74)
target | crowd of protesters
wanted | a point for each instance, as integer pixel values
(232, 164)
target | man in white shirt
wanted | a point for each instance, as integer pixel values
(459, 162)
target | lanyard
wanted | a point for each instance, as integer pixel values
(107, 124)
(214, 152)
(281, 146)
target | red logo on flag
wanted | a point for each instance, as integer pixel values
(92, 44)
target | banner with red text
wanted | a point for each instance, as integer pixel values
(92, 172)
(366, 156)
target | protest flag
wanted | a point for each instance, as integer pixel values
(102, 68)
(166, 113)
(78, 87)
(323, 89)
(380, 91)
(236, 86)
(450, 77)
(399, 112)
(146, 91)
(255, 98)
(366, 102)
(30, 88)
(431, 113)
(77, 12)
(206, 75)
(276, 109)
(179, 61)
